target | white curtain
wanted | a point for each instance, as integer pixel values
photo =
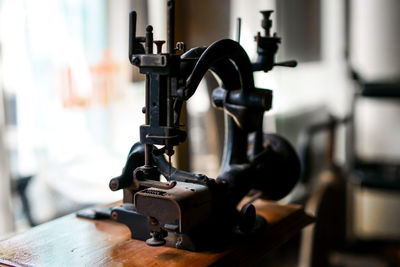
(6, 221)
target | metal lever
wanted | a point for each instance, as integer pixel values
(132, 34)
(290, 64)
(134, 46)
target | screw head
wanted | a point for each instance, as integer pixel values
(180, 46)
(114, 184)
(135, 60)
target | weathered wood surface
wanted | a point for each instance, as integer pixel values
(72, 241)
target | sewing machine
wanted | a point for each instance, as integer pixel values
(191, 211)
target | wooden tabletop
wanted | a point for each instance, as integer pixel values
(72, 241)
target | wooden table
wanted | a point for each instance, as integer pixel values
(72, 241)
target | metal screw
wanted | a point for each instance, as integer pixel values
(159, 44)
(135, 60)
(180, 46)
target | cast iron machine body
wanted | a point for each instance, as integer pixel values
(191, 211)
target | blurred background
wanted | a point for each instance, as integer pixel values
(70, 108)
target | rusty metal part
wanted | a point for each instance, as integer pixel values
(185, 205)
(156, 184)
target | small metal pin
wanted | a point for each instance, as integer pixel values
(238, 29)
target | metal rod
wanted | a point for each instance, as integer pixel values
(170, 50)
(171, 27)
(148, 149)
(148, 159)
(238, 29)
(149, 39)
(132, 34)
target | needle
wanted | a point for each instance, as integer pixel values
(169, 170)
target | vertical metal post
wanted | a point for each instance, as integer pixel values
(238, 29)
(148, 158)
(149, 39)
(171, 51)
(171, 27)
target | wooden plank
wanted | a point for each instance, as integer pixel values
(72, 241)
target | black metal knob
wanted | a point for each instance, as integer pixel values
(266, 23)
(159, 44)
(157, 239)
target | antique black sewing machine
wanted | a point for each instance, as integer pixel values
(191, 211)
